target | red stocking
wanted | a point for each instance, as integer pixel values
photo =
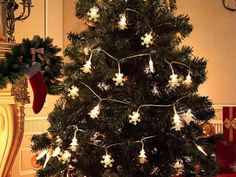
(39, 88)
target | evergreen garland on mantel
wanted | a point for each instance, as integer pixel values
(16, 63)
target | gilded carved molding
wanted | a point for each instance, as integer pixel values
(20, 93)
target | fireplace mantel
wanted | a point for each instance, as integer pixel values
(12, 101)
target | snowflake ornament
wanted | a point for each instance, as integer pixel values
(107, 161)
(174, 81)
(73, 92)
(134, 118)
(119, 79)
(93, 14)
(95, 112)
(87, 67)
(122, 24)
(103, 86)
(147, 40)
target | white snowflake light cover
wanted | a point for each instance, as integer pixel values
(93, 14)
(134, 118)
(122, 24)
(107, 161)
(119, 79)
(73, 92)
(174, 80)
(147, 40)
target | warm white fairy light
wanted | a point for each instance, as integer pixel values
(93, 14)
(201, 149)
(95, 111)
(87, 67)
(103, 86)
(86, 51)
(177, 120)
(56, 152)
(188, 116)
(66, 156)
(119, 79)
(48, 154)
(74, 144)
(58, 140)
(152, 69)
(107, 160)
(122, 24)
(142, 154)
(174, 80)
(147, 40)
(73, 92)
(155, 91)
(134, 118)
(179, 167)
(188, 81)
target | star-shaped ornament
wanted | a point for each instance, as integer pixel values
(73, 92)
(93, 14)
(119, 79)
(134, 118)
(147, 40)
(107, 161)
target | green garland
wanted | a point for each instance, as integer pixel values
(20, 60)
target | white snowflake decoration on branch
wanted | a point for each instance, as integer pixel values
(134, 118)
(147, 40)
(119, 79)
(73, 92)
(93, 14)
(107, 161)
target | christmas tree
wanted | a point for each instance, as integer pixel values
(130, 105)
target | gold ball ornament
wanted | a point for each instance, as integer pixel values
(208, 129)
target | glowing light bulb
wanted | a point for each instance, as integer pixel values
(87, 67)
(122, 24)
(95, 112)
(188, 81)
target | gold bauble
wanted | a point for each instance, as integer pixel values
(208, 129)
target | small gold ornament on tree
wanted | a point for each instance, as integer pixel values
(208, 129)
